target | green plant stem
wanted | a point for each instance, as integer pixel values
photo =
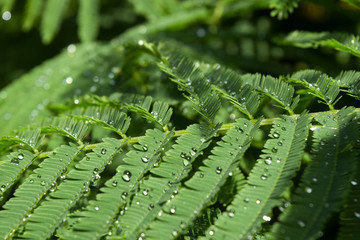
(222, 130)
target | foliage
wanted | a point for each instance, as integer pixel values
(195, 122)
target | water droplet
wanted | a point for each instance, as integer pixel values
(280, 143)
(314, 179)
(276, 134)
(354, 183)
(283, 128)
(114, 183)
(42, 183)
(266, 218)
(308, 189)
(145, 192)
(193, 152)
(151, 206)
(21, 156)
(145, 148)
(211, 232)
(183, 225)
(268, 161)
(126, 176)
(231, 213)
(258, 201)
(174, 233)
(96, 208)
(264, 177)
(183, 155)
(278, 160)
(173, 210)
(240, 130)
(246, 200)
(301, 223)
(103, 151)
(6, 16)
(357, 214)
(124, 195)
(274, 150)
(31, 181)
(218, 170)
(145, 159)
(15, 161)
(202, 175)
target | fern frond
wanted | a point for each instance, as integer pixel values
(340, 41)
(282, 8)
(52, 17)
(325, 181)
(36, 186)
(32, 12)
(13, 167)
(70, 190)
(351, 81)
(7, 5)
(101, 214)
(225, 157)
(278, 90)
(190, 79)
(164, 180)
(88, 20)
(320, 85)
(355, 3)
(267, 181)
(66, 126)
(28, 139)
(107, 118)
(350, 212)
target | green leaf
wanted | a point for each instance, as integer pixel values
(343, 42)
(88, 20)
(201, 190)
(325, 181)
(36, 186)
(268, 179)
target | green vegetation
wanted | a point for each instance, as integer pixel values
(180, 119)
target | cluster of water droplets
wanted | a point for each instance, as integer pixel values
(17, 160)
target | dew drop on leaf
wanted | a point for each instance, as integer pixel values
(266, 218)
(218, 170)
(114, 183)
(151, 206)
(182, 225)
(145, 148)
(231, 213)
(15, 161)
(276, 134)
(354, 183)
(96, 208)
(145, 159)
(183, 155)
(124, 195)
(21, 156)
(280, 143)
(268, 161)
(308, 190)
(258, 201)
(174, 233)
(42, 183)
(103, 151)
(145, 192)
(202, 175)
(357, 214)
(126, 176)
(274, 150)
(211, 232)
(263, 177)
(246, 200)
(173, 210)
(301, 223)
(31, 180)
(193, 152)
